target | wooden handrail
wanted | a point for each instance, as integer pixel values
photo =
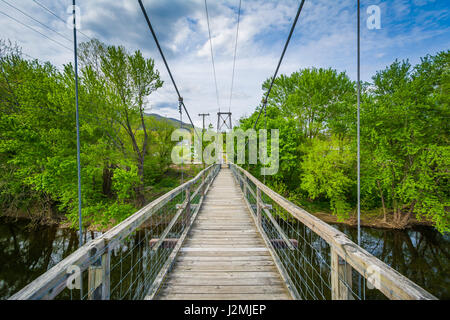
(52, 282)
(390, 282)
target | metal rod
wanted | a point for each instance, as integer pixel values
(80, 220)
(182, 147)
(358, 131)
(358, 125)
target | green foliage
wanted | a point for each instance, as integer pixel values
(327, 168)
(404, 140)
(405, 134)
(38, 169)
(124, 183)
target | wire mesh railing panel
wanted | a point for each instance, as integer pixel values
(135, 262)
(306, 261)
(304, 255)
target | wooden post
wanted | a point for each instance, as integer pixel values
(99, 277)
(188, 199)
(106, 270)
(203, 183)
(244, 181)
(341, 278)
(258, 206)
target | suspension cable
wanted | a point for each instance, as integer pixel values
(212, 54)
(36, 20)
(180, 98)
(235, 52)
(37, 31)
(279, 62)
(58, 17)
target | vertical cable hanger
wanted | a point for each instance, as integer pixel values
(358, 44)
(75, 54)
(80, 222)
(358, 120)
(180, 110)
(265, 127)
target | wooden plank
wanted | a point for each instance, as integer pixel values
(222, 281)
(224, 232)
(228, 253)
(227, 289)
(229, 263)
(223, 249)
(227, 274)
(223, 296)
(189, 257)
(224, 242)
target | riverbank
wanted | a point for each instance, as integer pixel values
(35, 216)
(368, 219)
(372, 220)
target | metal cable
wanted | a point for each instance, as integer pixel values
(182, 147)
(43, 24)
(180, 99)
(235, 52)
(358, 129)
(25, 25)
(212, 55)
(58, 17)
(281, 59)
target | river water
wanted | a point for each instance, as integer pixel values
(421, 253)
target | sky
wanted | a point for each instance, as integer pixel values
(325, 36)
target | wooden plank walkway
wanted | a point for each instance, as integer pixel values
(224, 256)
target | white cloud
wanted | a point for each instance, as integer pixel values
(325, 37)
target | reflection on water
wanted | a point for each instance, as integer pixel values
(421, 254)
(26, 253)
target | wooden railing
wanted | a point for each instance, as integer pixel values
(342, 260)
(151, 257)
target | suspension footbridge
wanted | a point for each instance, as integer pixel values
(222, 235)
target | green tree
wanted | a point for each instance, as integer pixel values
(318, 99)
(129, 80)
(405, 133)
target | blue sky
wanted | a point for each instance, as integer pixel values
(325, 37)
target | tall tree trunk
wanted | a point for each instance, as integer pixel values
(140, 188)
(405, 219)
(107, 181)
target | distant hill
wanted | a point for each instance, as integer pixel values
(173, 121)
